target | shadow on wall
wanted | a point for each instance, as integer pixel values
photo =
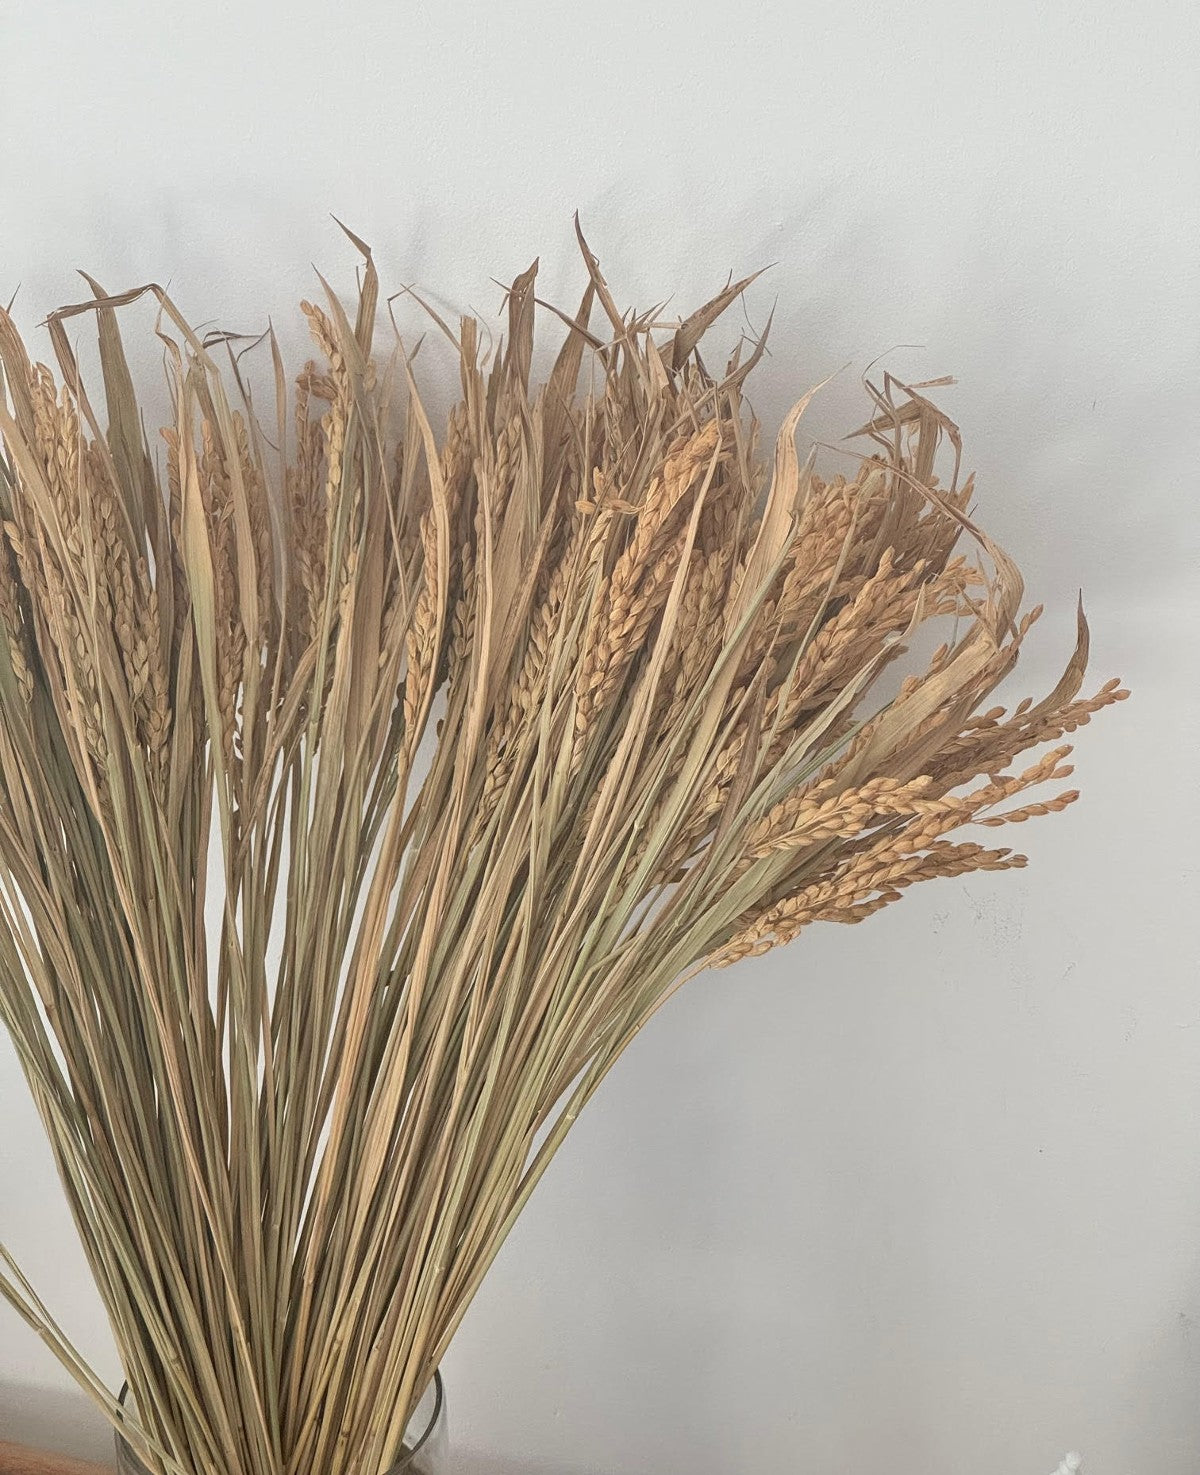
(54, 1418)
(468, 1463)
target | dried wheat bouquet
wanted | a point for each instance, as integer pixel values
(365, 790)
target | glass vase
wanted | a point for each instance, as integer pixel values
(423, 1452)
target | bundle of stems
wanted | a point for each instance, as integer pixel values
(366, 790)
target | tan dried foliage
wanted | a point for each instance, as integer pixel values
(365, 792)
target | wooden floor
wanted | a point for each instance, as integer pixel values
(19, 1459)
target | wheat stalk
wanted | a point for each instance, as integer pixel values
(364, 795)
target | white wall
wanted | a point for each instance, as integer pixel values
(911, 1199)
